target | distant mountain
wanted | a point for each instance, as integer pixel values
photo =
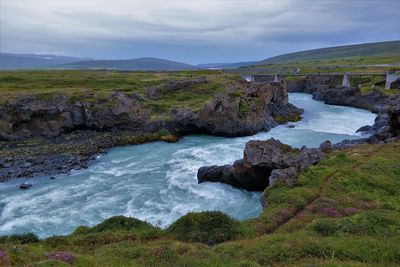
(145, 63)
(329, 53)
(31, 61)
(227, 65)
(338, 52)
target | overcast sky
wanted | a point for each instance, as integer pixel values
(192, 31)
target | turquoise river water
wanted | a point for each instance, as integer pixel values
(156, 182)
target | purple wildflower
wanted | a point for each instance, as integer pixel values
(330, 212)
(350, 211)
(62, 256)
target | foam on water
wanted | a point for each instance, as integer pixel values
(157, 182)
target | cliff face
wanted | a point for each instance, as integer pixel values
(242, 110)
(27, 116)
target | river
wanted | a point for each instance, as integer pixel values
(156, 182)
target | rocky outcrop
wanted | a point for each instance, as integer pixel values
(245, 111)
(27, 116)
(264, 163)
(257, 111)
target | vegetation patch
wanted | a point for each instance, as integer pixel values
(19, 239)
(117, 223)
(209, 227)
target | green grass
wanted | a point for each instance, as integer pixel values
(344, 211)
(82, 84)
(42, 82)
(211, 227)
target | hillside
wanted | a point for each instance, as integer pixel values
(30, 61)
(369, 53)
(228, 65)
(338, 52)
(344, 212)
(145, 64)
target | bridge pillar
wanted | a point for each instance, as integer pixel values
(346, 81)
(390, 77)
(276, 79)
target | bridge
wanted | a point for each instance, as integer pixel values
(390, 77)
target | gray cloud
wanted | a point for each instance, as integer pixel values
(192, 31)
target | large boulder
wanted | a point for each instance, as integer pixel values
(264, 163)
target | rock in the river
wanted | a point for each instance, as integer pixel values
(366, 129)
(25, 186)
(251, 179)
(264, 163)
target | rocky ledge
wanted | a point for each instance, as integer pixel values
(264, 163)
(244, 109)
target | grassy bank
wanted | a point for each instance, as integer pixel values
(344, 211)
(78, 83)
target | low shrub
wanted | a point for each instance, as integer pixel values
(209, 227)
(117, 223)
(19, 239)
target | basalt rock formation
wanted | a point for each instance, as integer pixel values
(230, 115)
(264, 163)
(27, 116)
(244, 112)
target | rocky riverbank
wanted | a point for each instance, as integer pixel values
(61, 133)
(387, 107)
